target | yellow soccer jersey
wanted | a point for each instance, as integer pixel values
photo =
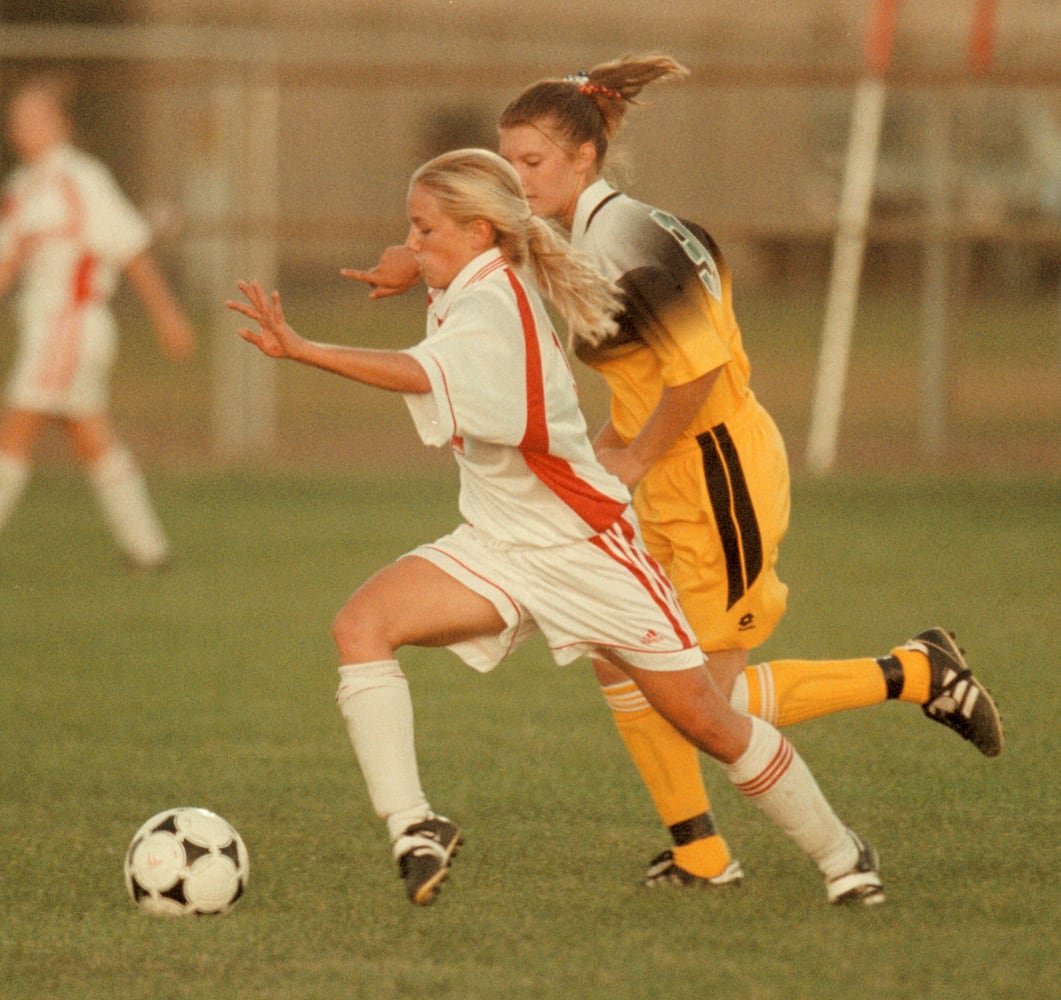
(678, 323)
(727, 472)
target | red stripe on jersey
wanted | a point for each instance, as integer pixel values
(597, 509)
(536, 433)
(770, 775)
(618, 544)
(84, 280)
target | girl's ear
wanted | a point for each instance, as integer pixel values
(483, 235)
(585, 158)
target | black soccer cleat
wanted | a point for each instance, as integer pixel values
(956, 699)
(424, 852)
(664, 870)
(862, 885)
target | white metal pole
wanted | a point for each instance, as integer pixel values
(244, 395)
(867, 115)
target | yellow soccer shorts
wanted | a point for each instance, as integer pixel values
(713, 512)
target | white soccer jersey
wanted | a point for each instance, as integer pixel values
(74, 230)
(503, 396)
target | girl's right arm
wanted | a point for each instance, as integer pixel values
(393, 370)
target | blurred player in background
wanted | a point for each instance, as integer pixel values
(708, 463)
(67, 233)
(548, 542)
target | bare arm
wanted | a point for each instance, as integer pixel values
(175, 333)
(391, 370)
(8, 273)
(675, 411)
(607, 439)
(395, 274)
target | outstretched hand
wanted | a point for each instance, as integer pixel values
(274, 338)
(396, 272)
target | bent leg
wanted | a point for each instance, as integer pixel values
(669, 766)
(693, 703)
(784, 692)
(762, 765)
(410, 602)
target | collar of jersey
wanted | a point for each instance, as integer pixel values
(475, 270)
(56, 156)
(588, 201)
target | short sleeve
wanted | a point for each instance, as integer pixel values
(475, 364)
(115, 229)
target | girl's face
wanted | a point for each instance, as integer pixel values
(35, 123)
(553, 176)
(441, 245)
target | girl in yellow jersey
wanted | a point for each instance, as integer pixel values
(707, 460)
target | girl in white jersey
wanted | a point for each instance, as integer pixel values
(67, 234)
(549, 543)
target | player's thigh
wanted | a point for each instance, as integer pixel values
(92, 436)
(718, 535)
(413, 602)
(19, 430)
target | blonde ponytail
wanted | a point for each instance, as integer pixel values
(587, 303)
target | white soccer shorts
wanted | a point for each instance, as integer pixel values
(604, 595)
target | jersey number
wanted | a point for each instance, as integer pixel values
(694, 250)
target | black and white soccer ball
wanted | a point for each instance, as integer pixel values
(186, 861)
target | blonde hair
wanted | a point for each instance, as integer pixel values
(471, 184)
(590, 106)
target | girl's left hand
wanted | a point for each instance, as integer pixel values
(622, 464)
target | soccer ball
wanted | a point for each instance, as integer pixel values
(186, 861)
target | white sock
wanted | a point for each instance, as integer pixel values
(374, 701)
(738, 697)
(123, 498)
(777, 780)
(14, 476)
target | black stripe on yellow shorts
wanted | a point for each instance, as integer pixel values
(738, 527)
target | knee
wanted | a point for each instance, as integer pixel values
(345, 626)
(359, 633)
(725, 666)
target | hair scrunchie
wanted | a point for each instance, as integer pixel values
(582, 81)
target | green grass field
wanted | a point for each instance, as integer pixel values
(213, 684)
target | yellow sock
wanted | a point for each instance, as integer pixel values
(670, 768)
(784, 692)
